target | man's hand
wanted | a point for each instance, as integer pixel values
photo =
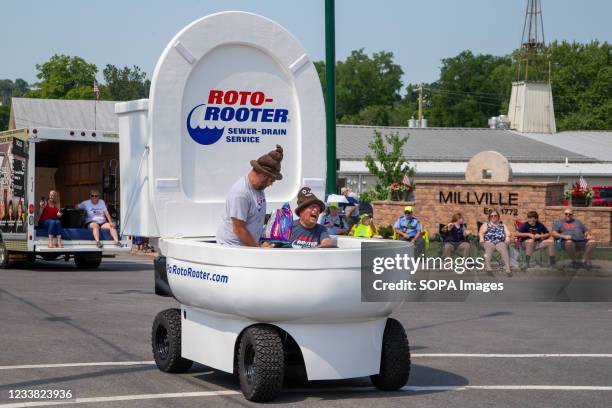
(243, 234)
(267, 245)
(112, 224)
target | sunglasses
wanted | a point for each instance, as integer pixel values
(566, 214)
(93, 195)
(494, 215)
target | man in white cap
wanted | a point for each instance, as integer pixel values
(351, 209)
(245, 205)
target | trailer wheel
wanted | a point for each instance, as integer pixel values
(166, 342)
(87, 261)
(4, 256)
(394, 359)
(261, 366)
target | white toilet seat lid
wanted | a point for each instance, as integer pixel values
(225, 91)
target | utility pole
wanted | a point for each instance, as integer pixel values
(330, 95)
(421, 105)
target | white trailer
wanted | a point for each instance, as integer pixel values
(33, 155)
(228, 88)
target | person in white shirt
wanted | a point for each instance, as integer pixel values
(97, 216)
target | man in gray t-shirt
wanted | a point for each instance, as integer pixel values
(575, 236)
(245, 204)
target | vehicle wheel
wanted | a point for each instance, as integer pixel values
(87, 261)
(394, 358)
(261, 366)
(30, 260)
(4, 256)
(166, 342)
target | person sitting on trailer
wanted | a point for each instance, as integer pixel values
(245, 204)
(305, 232)
(50, 215)
(97, 216)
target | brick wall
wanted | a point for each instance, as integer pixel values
(434, 205)
(597, 219)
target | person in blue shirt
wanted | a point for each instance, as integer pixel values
(534, 236)
(334, 222)
(410, 229)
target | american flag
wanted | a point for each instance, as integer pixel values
(582, 182)
(406, 180)
(96, 90)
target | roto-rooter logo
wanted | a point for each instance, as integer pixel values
(242, 109)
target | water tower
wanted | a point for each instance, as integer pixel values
(531, 104)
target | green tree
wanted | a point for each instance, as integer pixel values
(389, 166)
(64, 77)
(471, 89)
(9, 89)
(581, 77)
(5, 111)
(362, 81)
(125, 84)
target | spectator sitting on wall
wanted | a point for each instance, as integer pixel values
(364, 228)
(410, 229)
(575, 236)
(534, 235)
(97, 216)
(334, 221)
(50, 215)
(454, 235)
(305, 232)
(494, 236)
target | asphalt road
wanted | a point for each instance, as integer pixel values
(464, 354)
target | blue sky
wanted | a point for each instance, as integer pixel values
(419, 33)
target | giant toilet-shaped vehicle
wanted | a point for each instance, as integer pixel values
(227, 89)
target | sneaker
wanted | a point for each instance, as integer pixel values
(118, 243)
(99, 244)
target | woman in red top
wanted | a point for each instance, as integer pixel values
(50, 218)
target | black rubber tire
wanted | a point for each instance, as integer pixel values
(261, 363)
(394, 359)
(87, 261)
(4, 257)
(166, 342)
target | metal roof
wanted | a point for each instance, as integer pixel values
(63, 113)
(428, 144)
(455, 168)
(596, 144)
(454, 144)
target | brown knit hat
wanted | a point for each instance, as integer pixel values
(305, 198)
(270, 164)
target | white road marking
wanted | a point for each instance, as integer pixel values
(511, 387)
(414, 355)
(101, 363)
(307, 390)
(547, 355)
